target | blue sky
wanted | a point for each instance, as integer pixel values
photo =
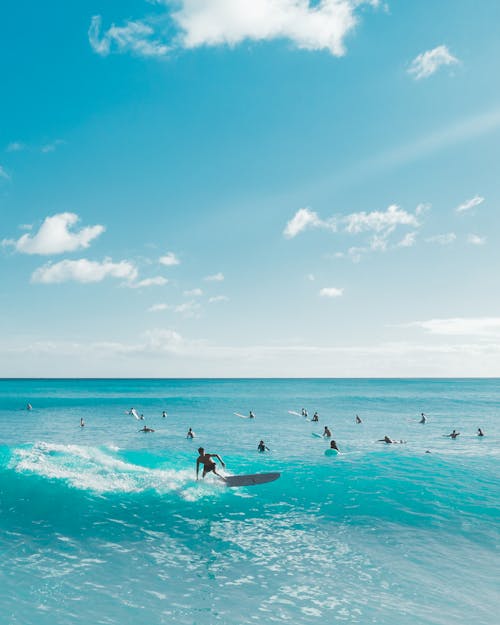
(250, 188)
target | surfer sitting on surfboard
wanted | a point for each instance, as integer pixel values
(326, 432)
(333, 445)
(262, 447)
(207, 462)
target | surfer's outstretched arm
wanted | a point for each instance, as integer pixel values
(219, 459)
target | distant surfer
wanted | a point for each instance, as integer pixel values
(208, 464)
(82, 422)
(304, 412)
(423, 418)
(164, 414)
(315, 417)
(333, 445)
(29, 406)
(390, 441)
(480, 432)
(146, 429)
(326, 432)
(251, 415)
(453, 434)
(262, 447)
(190, 433)
(358, 420)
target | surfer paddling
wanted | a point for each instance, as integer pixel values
(262, 447)
(209, 465)
(453, 434)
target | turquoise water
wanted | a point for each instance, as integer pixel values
(106, 525)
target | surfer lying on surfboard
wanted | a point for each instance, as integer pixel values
(209, 465)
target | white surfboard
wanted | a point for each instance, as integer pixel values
(297, 414)
(233, 481)
(244, 416)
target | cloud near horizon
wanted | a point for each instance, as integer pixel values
(461, 326)
(322, 25)
(56, 237)
(428, 63)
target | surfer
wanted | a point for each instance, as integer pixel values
(388, 440)
(29, 407)
(251, 415)
(208, 464)
(333, 445)
(262, 447)
(303, 412)
(146, 429)
(454, 434)
(190, 433)
(480, 432)
(82, 422)
(326, 432)
(423, 418)
(358, 420)
(164, 414)
(315, 417)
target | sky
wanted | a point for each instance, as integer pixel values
(250, 188)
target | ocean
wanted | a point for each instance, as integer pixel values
(104, 524)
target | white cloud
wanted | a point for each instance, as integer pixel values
(331, 292)
(322, 26)
(216, 277)
(442, 239)
(427, 63)
(156, 281)
(4, 174)
(135, 37)
(474, 201)
(303, 219)
(84, 271)
(475, 239)
(51, 147)
(188, 309)
(158, 307)
(169, 259)
(55, 237)
(188, 24)
(379, 221)
(408, 240)
(461, 326)
(193, 293)
(218, 298)
(15, 146)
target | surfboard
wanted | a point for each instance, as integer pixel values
(316, 435)
(297, 414)
(244, 416)
(233, 481)
(331, 452)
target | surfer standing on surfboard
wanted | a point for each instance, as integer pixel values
(209, 465)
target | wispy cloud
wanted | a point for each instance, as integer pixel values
(55, 236)
(52, 146)
(379, 224)
(169, 260)
(188, 24)
(442, 239)
(158, 307)
(408, 240)
(136, 37)
(472, 203)
(15, 146)
(147, 282)
(305, 219)
(331, 292)
(461, 326)
(193, 293)
(475, 239)
(216, 299)
(427, 63)
(188, 309)
(4, 174)
(83, 270)
(216, 277)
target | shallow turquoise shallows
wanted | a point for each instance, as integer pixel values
(104, 524)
